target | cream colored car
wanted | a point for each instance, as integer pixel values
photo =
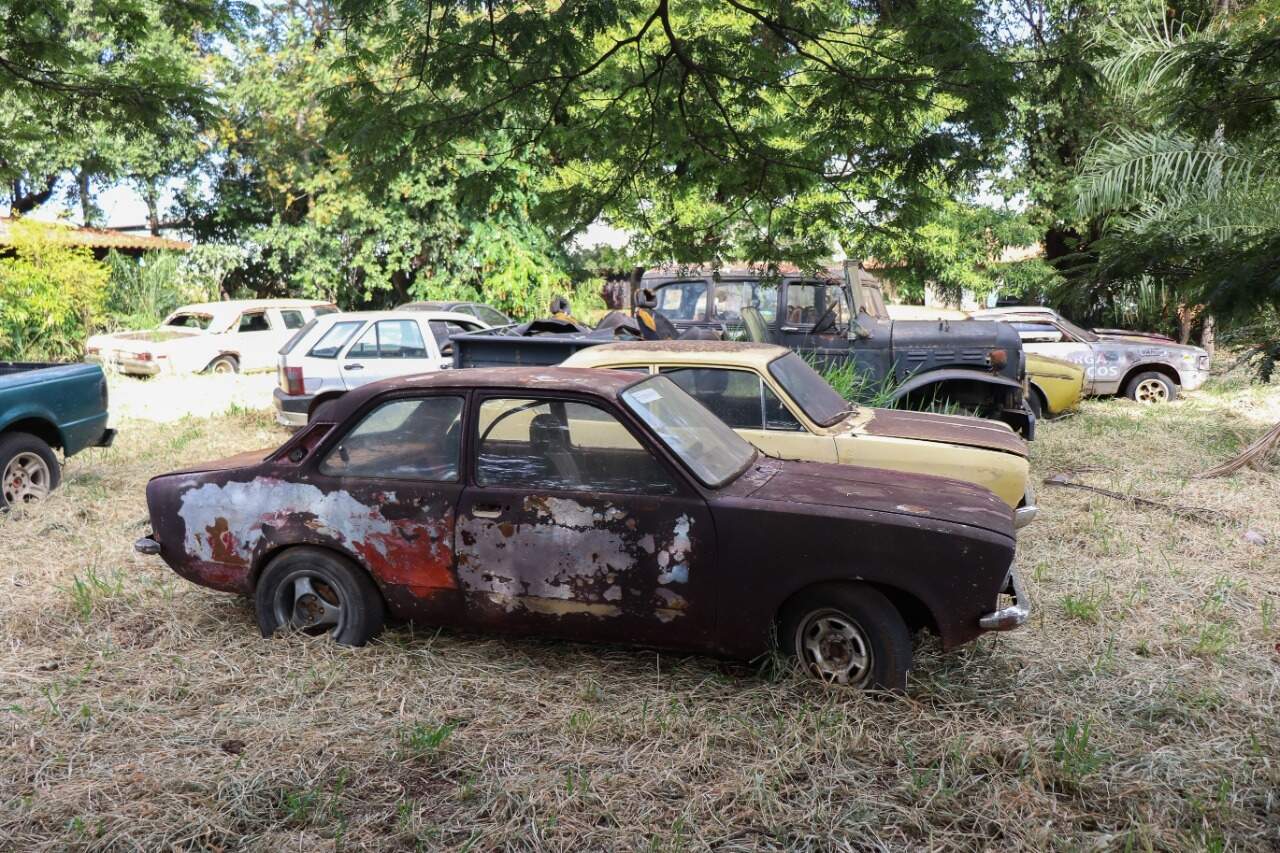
(775, 400)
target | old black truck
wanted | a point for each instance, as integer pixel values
(834, 318)
(839, 317)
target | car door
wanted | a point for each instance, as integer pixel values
(256, 337)
(740, 399)
(391, 486)
(803, 305)
(387, 348)
(1047, 338)
(574, 525)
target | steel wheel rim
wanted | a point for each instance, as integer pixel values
(832, 646)
(305, 600)
(26, 479)
(222, 366)
(1152, 391)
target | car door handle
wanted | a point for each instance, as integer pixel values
(790, 328)
(353, 367)
(486, 510)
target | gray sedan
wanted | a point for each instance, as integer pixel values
(1140, 367)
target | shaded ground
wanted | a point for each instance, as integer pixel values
(1137, 711)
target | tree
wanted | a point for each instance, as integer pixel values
(1188, 182)
(455, 226)
(80, 83)
(705, 129)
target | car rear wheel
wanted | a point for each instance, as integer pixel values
(28, 469)
(223, 364)
(1151, 387)
(318, 592)
(849, 635)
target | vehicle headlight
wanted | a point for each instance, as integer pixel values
(1203, 362)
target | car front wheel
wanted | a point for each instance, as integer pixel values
(223, 364)
(1151, 387)
(318, 592)
(28, 469)
(849, 635)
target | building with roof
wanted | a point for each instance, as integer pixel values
(100, 240)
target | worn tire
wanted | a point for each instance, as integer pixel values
(1144, 388)
(884, 633)
(335, 579)
(223, 364)
(15, 444)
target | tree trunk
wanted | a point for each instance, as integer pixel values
(151, 194)
(83, 185)
(1207, 334)
(1186, 319)
(27, 199)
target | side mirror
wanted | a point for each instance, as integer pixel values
(447, 349)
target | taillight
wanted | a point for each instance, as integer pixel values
(293, 381)
(143, 356)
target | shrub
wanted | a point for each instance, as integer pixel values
(50, 295)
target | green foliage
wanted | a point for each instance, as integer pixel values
(111, 88)
(449, 223)
(706, 130)
(1185, 180)
(50, 295)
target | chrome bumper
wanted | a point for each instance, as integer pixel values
(1027, 510)
(1008, 618)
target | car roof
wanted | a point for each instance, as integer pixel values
(735, 271)
(1016, 309)
(683, 352)
(419, 304)
(242, 304)
(400, 315)
(598, 383)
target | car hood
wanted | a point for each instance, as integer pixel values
(944, 429)
(917, 496)
(247, 459)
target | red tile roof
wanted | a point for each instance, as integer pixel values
(101, 238)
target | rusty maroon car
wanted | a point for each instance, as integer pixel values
(588, 505)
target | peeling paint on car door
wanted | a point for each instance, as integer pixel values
(573, 526)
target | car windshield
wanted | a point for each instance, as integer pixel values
(1076, 331)
(714, 453)
(812, 393)
(189, 320)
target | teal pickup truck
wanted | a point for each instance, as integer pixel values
(43, 407)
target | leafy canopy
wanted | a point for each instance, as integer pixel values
(706, 129)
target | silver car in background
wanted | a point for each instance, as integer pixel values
(1141, 367)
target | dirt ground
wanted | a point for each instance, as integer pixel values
(1139, 710)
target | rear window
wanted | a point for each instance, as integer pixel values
(190, 321)
(297, 336)
(321, 310)
(332, 341)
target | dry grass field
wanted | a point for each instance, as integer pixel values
(1139, 710)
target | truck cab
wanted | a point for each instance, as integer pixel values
(836, 319)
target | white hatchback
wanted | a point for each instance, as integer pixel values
(337, 352)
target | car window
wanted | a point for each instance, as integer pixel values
(492, 316)
(321, 310)
(190, 321)
(733, 296)
(442, 330)
(390, 339)
(292, 319)
(402, 440)
(808, 390)
(808, 301)
(253, 321)
(683, 300)
(1038, 332)
(332, 341)
(545, 444)
(737, 397)
(296, 337)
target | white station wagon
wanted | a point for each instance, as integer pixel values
(214, 337)
(338, 352)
